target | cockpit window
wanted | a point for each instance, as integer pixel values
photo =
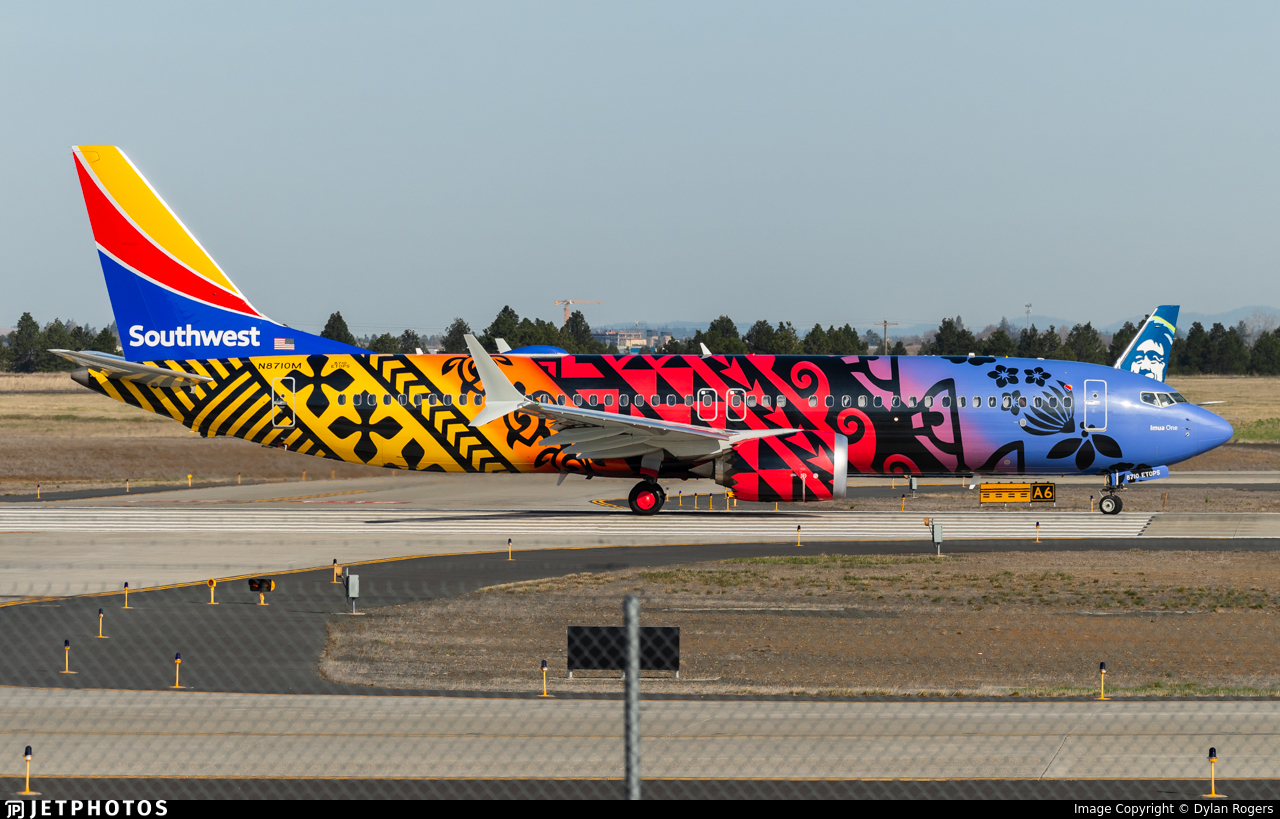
(1150, 398)
(1177, 398)
(1166, 400)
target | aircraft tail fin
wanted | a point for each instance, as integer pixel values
(1148, 353)
(170, 298)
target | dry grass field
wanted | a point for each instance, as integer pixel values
(70, 438)
(1173, 623)
(1252, 404)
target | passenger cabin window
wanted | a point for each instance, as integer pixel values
(639, 400)
(622, 400)
(862, 401)
(592, 400)
(977, 400)
(448, 400)
(764, 400)
(830, 400)
(608, 400)
(560, 400)
(946, 402)
(577, 400)
(911, 402)
(1022, 400)
(655, 400)
(403, 399)
(671, 400)
(433, 399)
(751, 400)
(386, 399)
(782, 402)
(928, 400)
(991, 401)
(1036, 402)
(963, 401)
(1150, 398)
(813, 400)
(462, 399)
(877, 401)
(342, 399)
(688, 400)
(417, 400)
(1006, 402)
(845, 400)
(896, 401)
(1066, 402)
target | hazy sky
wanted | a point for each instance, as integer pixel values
(408, 163)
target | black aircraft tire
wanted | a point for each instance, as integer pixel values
(646, 498)
(1110, 505)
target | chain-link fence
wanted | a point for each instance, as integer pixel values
(554, 742)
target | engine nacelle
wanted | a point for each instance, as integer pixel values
(770, 469)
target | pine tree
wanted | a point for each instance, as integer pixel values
(105, 342)
(385, 344)
(25, 345)
(409, 342)
(453, 337)
(336, 328)
(1121, 340)
(999, 344)
(1264, 359)
(576, 336)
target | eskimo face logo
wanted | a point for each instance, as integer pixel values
(179, 337)
(1150, 360)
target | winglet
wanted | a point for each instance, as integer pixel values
(501, 396)
(705, 351)
(503, 346)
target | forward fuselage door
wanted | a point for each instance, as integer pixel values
(1095, 405)
(282, 403)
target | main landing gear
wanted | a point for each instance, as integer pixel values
(646, 498)
(1110, 505)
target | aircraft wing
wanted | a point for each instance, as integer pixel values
(597, 434)
(118, 368)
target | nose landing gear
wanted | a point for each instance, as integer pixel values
(1110, 505)
(646, 498)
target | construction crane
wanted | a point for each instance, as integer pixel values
(568, 302)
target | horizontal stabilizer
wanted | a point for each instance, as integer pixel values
(118, 368)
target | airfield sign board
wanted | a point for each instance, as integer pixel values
(1017, 493)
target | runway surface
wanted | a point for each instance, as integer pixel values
(185, 733)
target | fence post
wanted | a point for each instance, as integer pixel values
(631, 714)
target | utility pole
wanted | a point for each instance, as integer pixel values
(887, 324)
(1028, 306)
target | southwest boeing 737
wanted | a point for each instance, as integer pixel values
(770, 428)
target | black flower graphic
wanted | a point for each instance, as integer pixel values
(1052, 416)
(1037, 376)
(1004, 376)
(1084, 448)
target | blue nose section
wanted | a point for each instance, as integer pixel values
(1214, 431)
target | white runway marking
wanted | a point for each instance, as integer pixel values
(703, 527)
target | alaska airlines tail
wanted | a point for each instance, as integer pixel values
(171, 300)
(1148, 353)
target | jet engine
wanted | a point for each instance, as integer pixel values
(800, 466)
